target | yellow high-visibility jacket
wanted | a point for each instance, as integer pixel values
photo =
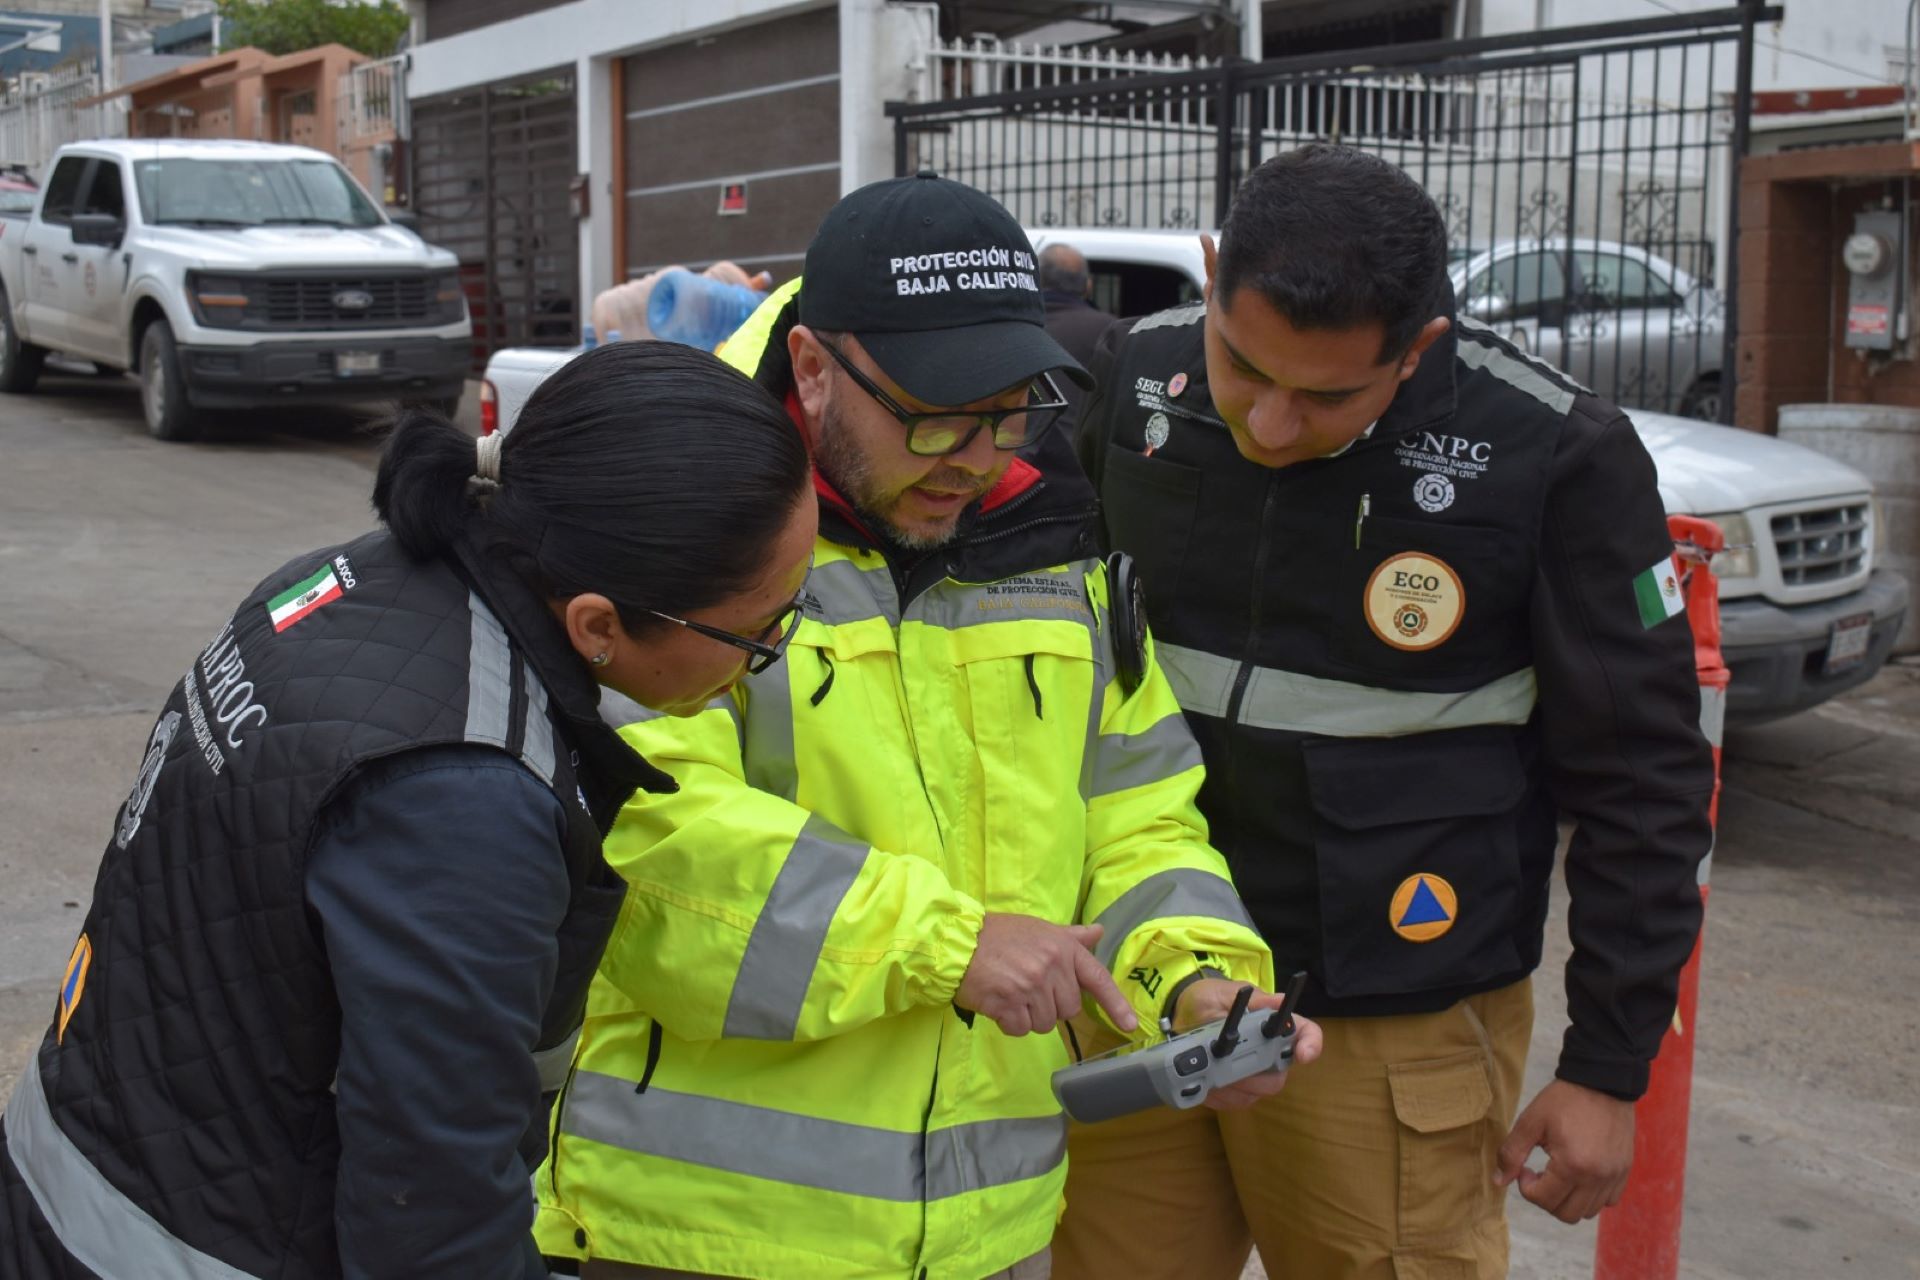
(773, 1080)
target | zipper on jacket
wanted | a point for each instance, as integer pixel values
(1245, 673)
(926, 1133)
(554, 1118)
(1034, 685)
(1366, 509)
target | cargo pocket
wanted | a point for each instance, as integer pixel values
(1447, 1148)
(1416, 843)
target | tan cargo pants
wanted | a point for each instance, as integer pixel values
(1375, 1163)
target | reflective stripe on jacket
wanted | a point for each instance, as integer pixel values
(773, 1079)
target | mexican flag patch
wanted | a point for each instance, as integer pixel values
(301, 599)
(1657, 592)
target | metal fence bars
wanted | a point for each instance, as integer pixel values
(491, 170)
(1586, 175)
(39, 115)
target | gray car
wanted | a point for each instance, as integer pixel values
(1627, 323)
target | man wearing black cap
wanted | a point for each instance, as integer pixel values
(818, 1042)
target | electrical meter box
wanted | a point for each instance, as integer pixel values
(1875, 302)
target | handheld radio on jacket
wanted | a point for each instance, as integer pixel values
(1182, 1070)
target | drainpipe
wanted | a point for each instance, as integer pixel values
(106, 46)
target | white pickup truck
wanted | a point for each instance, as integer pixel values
(1804, 614)
(228, 275)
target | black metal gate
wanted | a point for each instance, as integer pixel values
(1588, 175)
(491, 168)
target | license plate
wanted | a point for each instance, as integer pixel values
(1847, 644)
(347, 363)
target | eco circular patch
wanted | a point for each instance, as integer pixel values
(1423, 907)
(1176, 384)
(1414, 601)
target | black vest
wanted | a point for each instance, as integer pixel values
(1358, 735)
(178, 1119)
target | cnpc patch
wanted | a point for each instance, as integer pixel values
(1424, 907)
(73, 985)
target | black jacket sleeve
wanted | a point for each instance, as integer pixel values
(1620, 709)
(1092, 430)
(439, 883)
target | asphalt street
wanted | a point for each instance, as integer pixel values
(120, 557)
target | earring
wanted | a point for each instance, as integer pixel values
(601, 659)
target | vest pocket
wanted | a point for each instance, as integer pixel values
(1420, 601)
(1150, 506)
(1417, 847)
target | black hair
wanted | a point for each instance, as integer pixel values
(649, 472)
(1334, 238)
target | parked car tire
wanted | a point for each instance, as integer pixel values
(163, 392)
(20, 362)
(1702, 399)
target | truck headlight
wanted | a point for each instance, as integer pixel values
(219, 302)
(1741, 559)
(449, 299)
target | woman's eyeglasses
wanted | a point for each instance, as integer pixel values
(766, 647)
(933, 435)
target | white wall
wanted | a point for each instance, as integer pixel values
(883, 49)
(1823, 44)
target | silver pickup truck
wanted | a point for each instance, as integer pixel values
(226, 274)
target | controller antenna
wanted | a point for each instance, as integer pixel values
(1280, 1021)
(1230, 1029)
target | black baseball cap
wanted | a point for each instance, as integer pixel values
(938, 282)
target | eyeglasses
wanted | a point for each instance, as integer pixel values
(766, 647)
(933, 435)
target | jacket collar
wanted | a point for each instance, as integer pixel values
(1429, 396)
(604, 755)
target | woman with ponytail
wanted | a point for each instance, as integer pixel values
(341, 936)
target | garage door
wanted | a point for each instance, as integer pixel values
(491, 167)
(731, 146)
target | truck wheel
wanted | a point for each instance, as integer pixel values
(20, 362)
(163, 393)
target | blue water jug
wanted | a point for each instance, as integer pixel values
(699, 312)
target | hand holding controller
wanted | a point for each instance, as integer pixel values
(1181, 1071)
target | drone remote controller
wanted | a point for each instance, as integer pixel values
(1181, 1070)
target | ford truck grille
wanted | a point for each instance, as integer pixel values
(348, 302)
(1824, 545)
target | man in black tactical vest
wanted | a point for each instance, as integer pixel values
(1413, 591)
